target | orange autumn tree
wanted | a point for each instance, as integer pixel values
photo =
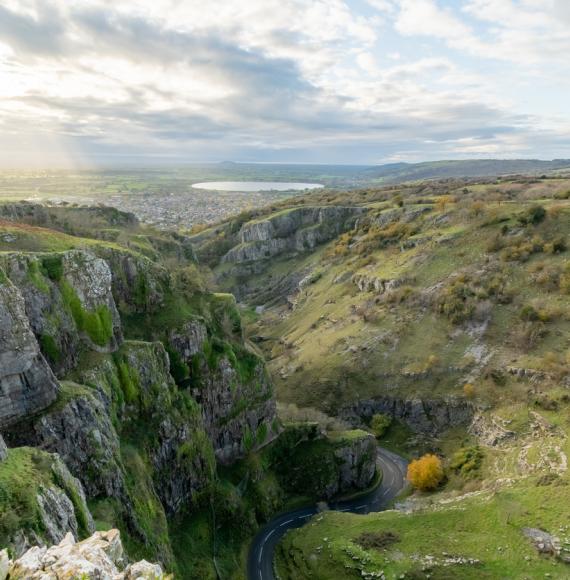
(426, 472)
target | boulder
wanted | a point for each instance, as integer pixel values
(99, 557)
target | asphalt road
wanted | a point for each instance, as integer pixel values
(260, 558)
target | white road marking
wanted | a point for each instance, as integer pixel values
(287, 522)
(361, 506)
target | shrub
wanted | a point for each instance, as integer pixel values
(467, 461)
(49, 347)
(377, 540)
(528, 313)
(469, 390)
(534, 215)
(53, 267)
(129, 382)
(380, 423)
(178, 368)
(425, 473)
(456, 301)
(527, 335)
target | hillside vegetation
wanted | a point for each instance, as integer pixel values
(446, 306)
(131, 399)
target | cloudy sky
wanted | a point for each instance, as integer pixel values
(334, 81)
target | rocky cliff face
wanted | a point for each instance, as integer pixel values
(238, 408)
(425, 416)
(40, 502)
(68, 303)
(136, 441)
(27, 384)
(100, 556)
(296, 230)
(357, 463)
(323, 466)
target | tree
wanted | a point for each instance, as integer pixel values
(380, 423)
(469, 390)
(426, 472)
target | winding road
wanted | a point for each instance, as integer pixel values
(260, 558)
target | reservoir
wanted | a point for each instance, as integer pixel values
(255, 186)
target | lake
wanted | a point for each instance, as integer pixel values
(255, 186)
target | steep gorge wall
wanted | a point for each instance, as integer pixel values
(125, 429)
(295, 230)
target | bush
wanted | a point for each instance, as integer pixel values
(49, 347)
(469, 390)
(425, 473)
(380, 423)
(528, 313)
(53, 267)
(178, 368)
(377, 540)
(534, 215)
(467, 461)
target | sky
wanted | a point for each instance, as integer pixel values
(110, 82)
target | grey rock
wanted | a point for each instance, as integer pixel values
(291, 231)
(100, 557)
(27, 384)
(423, 416)
(4, 564)
(546, 543)
(357, 464)
(3, 450)
(47, 309)
(369, 283)
(81, 432)
(189, 339)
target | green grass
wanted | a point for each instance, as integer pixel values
(97, 324)
(487, 528)
(22, 476)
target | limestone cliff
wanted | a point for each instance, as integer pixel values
(141, 444)
(40, 501)
(295, 230)
(27, 384)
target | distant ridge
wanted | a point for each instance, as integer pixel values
(398, 172)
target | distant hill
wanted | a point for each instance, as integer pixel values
(399, 172)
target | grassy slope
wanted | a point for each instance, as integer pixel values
(339, 345)
(327, 337)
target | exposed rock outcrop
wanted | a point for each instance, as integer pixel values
(58, 514)
(40, 501)
(99, 557)
(547, 544)
(490, 431)
(68, 302)
(236, 410)
(295, 230)
(27, 384)
(424, 416)
(368, 283)
(3, 449)
(357, 463)
(81, 432)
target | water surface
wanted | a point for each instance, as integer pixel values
(255, 186)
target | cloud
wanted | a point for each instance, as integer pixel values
(322, 80)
